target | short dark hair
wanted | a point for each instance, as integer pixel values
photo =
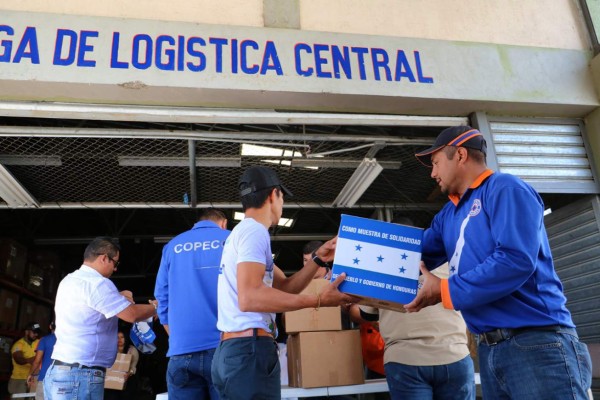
(212, 214)
(101, 245)
(311, 246)
(257, 199)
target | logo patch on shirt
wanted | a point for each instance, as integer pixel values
(475, 208)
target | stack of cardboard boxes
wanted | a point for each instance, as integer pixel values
(319, 352)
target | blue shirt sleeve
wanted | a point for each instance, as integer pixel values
(161, 288)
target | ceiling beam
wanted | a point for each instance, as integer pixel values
(218, 136)
(197, 115)
(234, 205)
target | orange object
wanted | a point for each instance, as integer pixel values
(372, 347)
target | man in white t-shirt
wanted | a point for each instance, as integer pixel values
(252, 289)
(87, 309)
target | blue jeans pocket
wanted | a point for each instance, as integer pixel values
(584, 362)
(178, 370)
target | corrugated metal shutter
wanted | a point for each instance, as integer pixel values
(574, 233)
(550, 156)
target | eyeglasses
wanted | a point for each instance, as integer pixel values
(115, 262)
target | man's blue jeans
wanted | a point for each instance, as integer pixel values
(444, 382)
(247, 368)
(536, 365)
(72, 383)
(189, 376)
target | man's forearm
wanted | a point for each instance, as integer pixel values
(137, 312)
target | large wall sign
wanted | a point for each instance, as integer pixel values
(51, 57)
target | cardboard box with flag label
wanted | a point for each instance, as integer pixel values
(381, 261)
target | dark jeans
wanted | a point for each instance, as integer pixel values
(189, 376)
(536, 364)
(247, 368)
(448, 381)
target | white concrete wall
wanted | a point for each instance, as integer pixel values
(225, 12)
(538, 23)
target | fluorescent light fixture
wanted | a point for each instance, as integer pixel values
(547, 211)
(223, 162)
(339, 163)
(359, 182)
(284, 222)
(13, 193)
(9, 159)
(278, 162)
(253, 150)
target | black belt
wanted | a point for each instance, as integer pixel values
(499, 335)
(77, 365)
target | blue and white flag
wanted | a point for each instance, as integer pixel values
(381, 260)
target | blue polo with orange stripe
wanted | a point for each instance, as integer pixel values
(501, 269)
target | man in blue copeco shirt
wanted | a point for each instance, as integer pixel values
(186, 290)
(502, 276)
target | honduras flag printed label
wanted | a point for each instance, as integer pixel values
(381, 261)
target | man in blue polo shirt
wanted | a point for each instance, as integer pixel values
(186, 290)
(502, 276)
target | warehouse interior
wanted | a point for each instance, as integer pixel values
(133, 181)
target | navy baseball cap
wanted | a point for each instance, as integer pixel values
(458, 136)
(259, 178)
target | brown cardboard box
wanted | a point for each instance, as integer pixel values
(27, 312)
(317, 359)
(35, 278)
(115, 375)
(5, 356)
(311, 319)
(13, 257)
(9, 304)
(49, 263)
(114, 380)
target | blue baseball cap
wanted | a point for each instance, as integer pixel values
(457, 136)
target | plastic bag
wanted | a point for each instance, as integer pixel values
(142, 336)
